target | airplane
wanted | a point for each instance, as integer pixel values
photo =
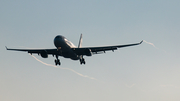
(67, 49)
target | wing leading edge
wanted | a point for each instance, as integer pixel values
(97, 50)
(38, 51)
(78, 51)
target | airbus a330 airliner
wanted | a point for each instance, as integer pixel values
(67, 49)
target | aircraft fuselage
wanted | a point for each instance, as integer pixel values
(65, 47)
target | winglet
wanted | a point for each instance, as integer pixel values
(141, 42)
(6, 48)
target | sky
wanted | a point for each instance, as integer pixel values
(148, 72)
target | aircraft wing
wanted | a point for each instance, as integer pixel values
(98, 50)
(38, 51)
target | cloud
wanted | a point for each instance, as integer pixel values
(63, 68)
(167, 86)
(129, 86)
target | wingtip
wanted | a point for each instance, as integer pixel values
(6, 48)
(141, 42)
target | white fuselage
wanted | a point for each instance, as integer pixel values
(64, 47)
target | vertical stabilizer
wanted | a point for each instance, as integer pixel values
(80, 42)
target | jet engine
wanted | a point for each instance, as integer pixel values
(88, 52)
(44, 54)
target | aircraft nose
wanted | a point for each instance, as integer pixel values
(58, 40)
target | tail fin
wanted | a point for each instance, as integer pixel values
(80, 42)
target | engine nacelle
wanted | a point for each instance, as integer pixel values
(88, 52)
(44, 54)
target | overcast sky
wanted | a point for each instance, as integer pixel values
(139, 73)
